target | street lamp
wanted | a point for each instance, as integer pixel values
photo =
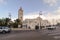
(10, 15)
(10, 19)
(53, 22)
(40, 13)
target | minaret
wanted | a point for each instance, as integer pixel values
(20, 14)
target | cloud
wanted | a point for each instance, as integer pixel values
(57, 11)
(54, 14)
(3, 1)
(33, 15)
(51, 17)
(50, 2)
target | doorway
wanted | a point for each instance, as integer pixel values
(37, 27)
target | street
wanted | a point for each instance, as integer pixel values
(32, 35)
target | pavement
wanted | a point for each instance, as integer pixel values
(21, 29)
(32, 35)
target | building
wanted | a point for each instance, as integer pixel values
(36, 23)
(20, 14)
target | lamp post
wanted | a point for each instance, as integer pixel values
(40, 13)
(10, 15)
(10, 19)
(53, 22)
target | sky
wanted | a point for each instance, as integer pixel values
(50, 8)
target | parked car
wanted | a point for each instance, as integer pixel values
(5, 29)
(51, 28)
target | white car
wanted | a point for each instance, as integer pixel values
(51, 28)
(4, 29)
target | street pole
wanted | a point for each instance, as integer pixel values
(10, 15)
(10, 19)
(53, 22)
(40, 13)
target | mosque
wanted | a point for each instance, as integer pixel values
(35, 23)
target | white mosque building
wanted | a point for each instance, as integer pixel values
(32, 21)
(35, 21)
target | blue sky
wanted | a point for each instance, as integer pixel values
(48, 7)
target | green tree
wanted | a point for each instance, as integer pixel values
(58, 24)
(0, 22)
(7, 21)
(16, 23)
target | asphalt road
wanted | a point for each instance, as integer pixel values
(32, 35)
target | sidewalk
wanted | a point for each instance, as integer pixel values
(20, 29)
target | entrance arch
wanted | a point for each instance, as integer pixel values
(36, 27)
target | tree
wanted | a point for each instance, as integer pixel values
(7, 21)
(0, 22)
(16, 23)
(58, 24)
(4, 21)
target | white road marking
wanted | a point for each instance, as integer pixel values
(54, 34)
(56, 37)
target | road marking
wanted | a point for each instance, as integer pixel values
(54, 34)
(56, 37)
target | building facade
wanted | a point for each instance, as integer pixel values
(20, 14)
(36, 23)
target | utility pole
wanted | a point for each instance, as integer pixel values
(9, 16)
(53, 22)
(40, 13)
(10, 19)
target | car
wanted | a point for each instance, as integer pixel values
(51, 28)
(5, 29)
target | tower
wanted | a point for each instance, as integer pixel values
(20, 14)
